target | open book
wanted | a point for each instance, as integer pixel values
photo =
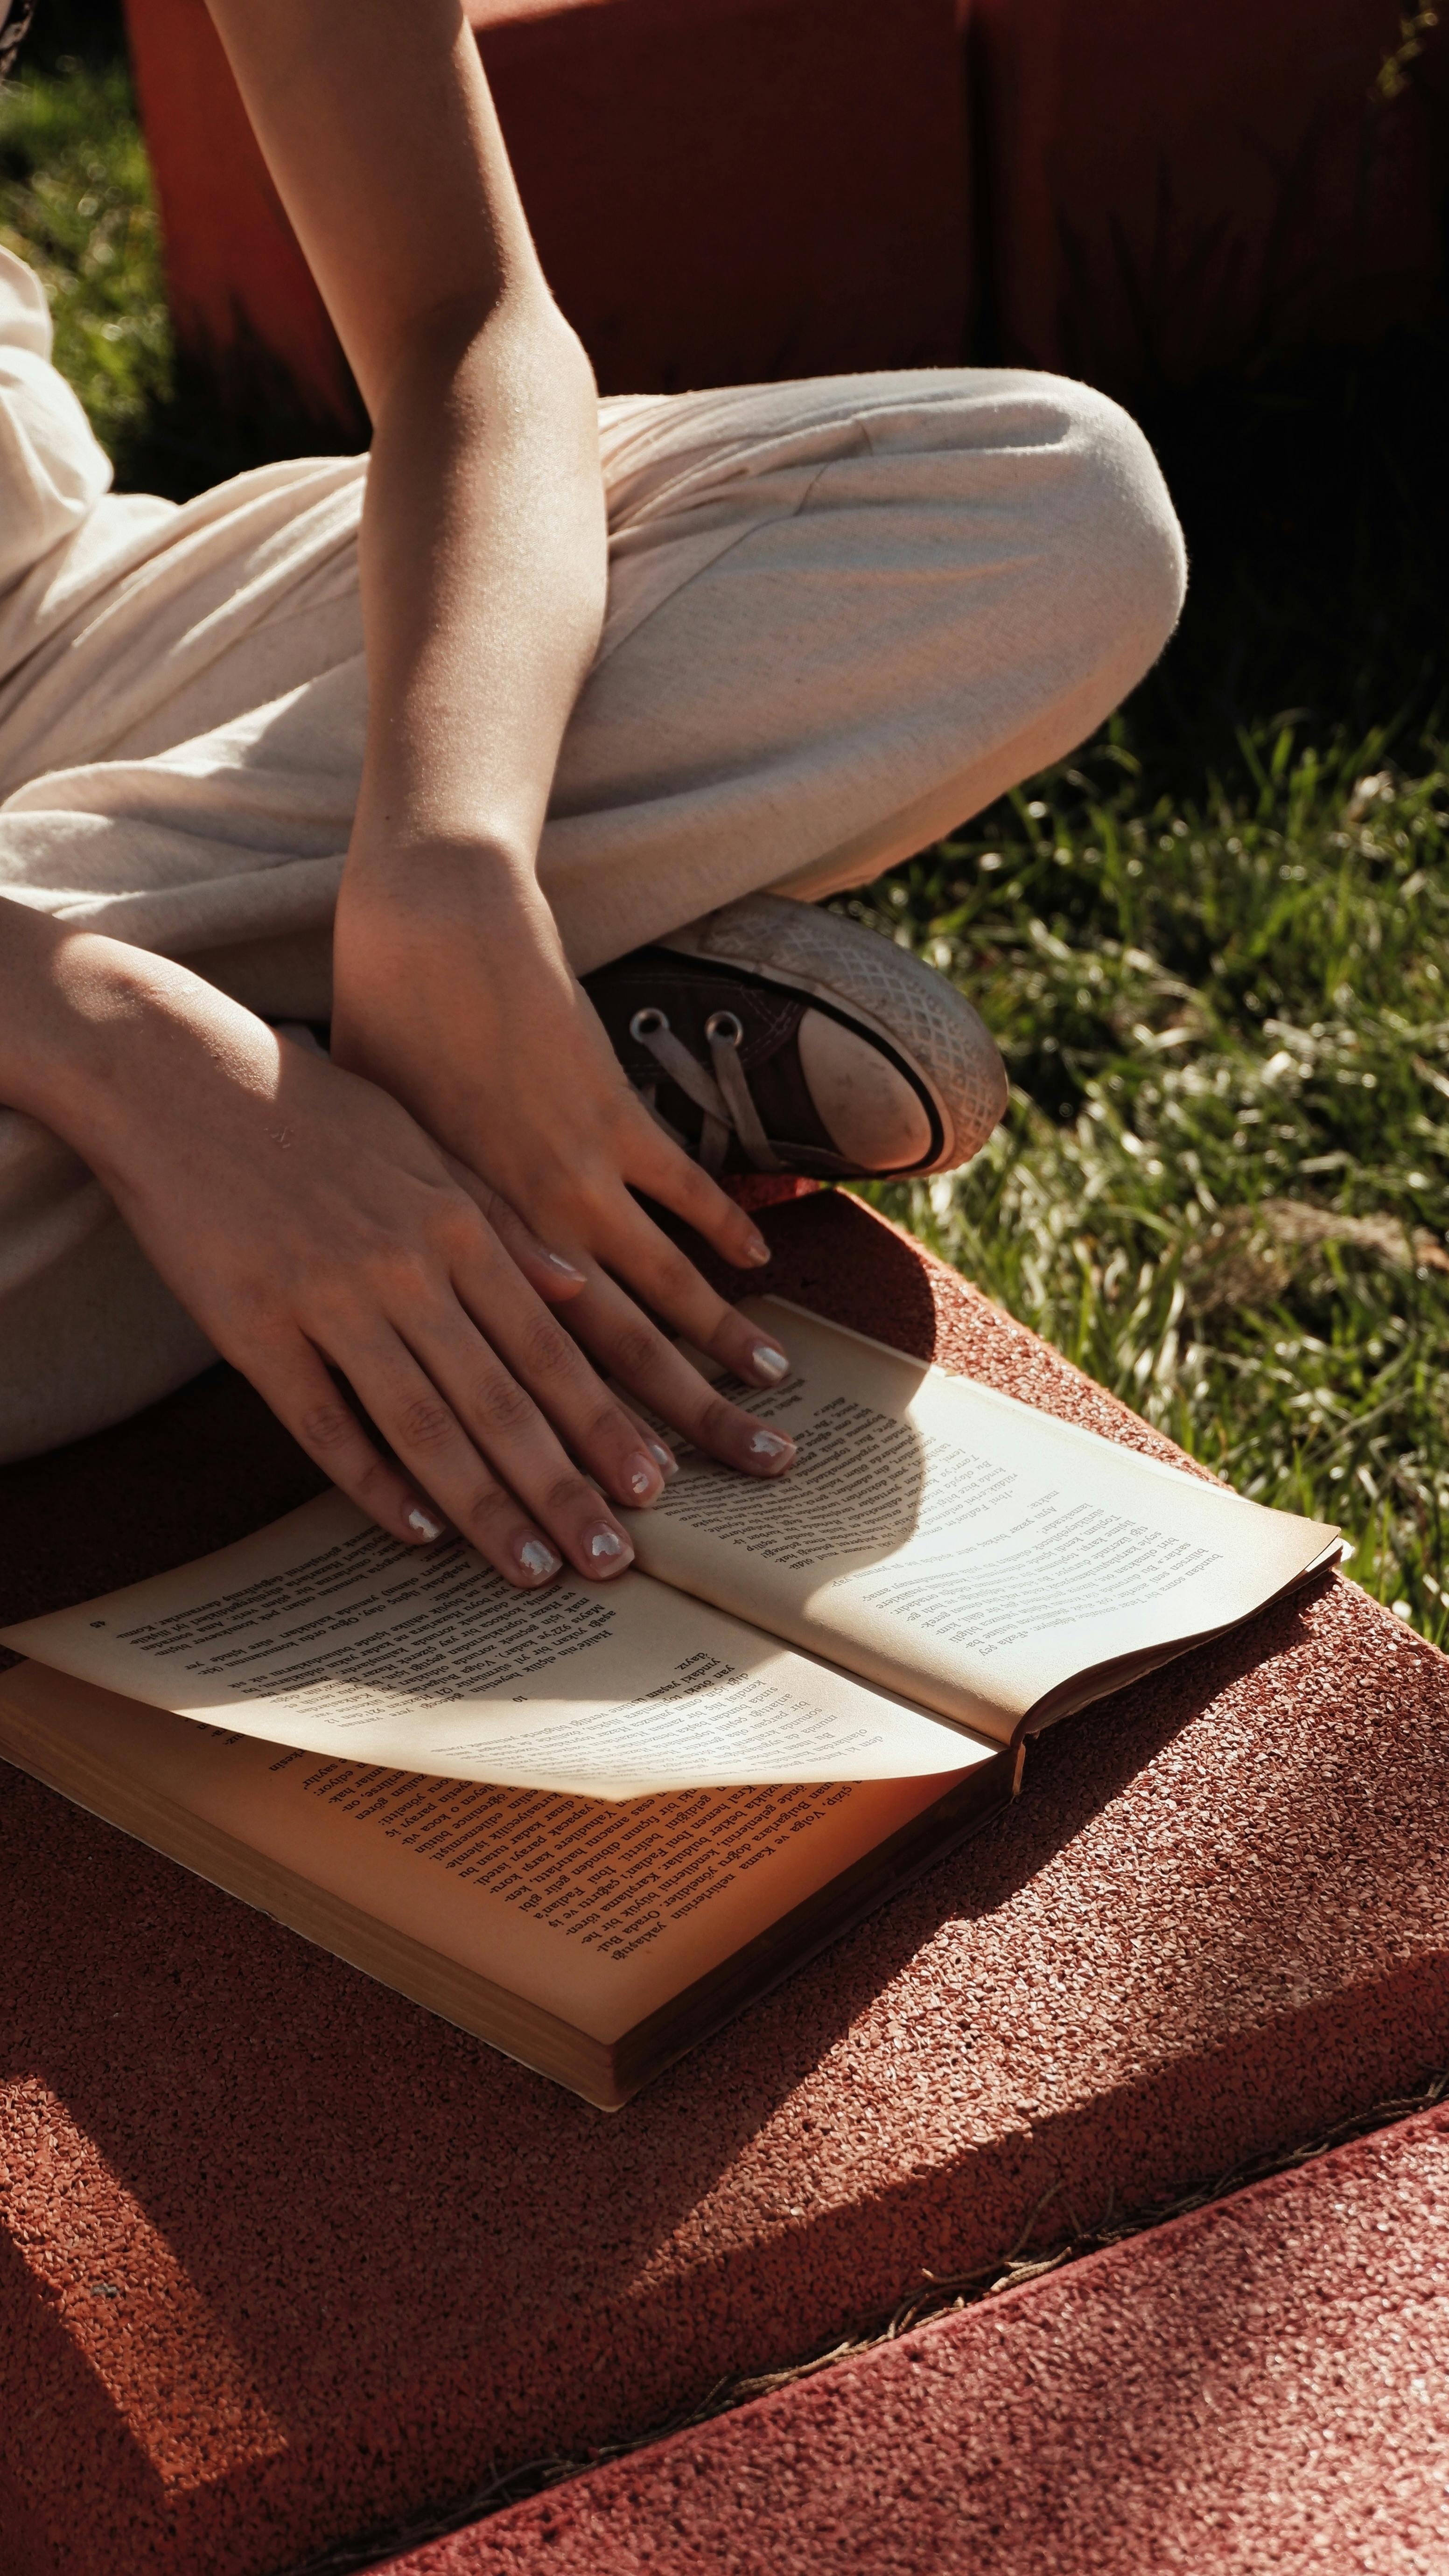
(588, 1823)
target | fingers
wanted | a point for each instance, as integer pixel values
(625, 1343)
(645, 1260)
(546, 1271)
(629, 1461)
(483, 1449)
(302, 1395)
(524, 1506)
(659, 1450)
(506, 1432)
(664, 1172)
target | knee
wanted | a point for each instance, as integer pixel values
(1050, 487)
(1119, 555)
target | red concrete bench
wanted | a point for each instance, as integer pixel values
(284, 2259)
(721, 190)
(1260, 2385)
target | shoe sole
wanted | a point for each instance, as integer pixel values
(912, 1010)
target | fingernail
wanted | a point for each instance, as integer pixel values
(757, 1250)
(569, 1269)
(642, 1477)
(425, 1528)
(768, 1444)
(664, 1459)
(538, 1559)
(770, 1362)
(606, 1544)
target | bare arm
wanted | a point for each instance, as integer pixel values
(483, 540)
(352, 1217)
(484, 574)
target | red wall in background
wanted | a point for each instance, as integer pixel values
(1173, 188)
(236, 281)
(721, 190)
(730, 189)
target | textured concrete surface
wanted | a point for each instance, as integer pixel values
(284, 2258)
(1264, 2385)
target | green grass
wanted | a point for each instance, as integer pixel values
(1214, 946)
(75, 202)
(1223, 1183)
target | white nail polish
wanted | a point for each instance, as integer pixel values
(537, 1559)
(641, 1482)
(667, 1464)
(768, 1444)
(425, 1528)
(770, 1362)
(606, 1542)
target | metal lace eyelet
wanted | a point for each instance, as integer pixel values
(723, 1029)
(648, 1023)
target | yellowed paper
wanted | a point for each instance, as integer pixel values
(597, 1913)
(949, 1543)
(322, 1632)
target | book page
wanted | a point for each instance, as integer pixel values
(596, 1912)
(325, 1633)
(949, 1543)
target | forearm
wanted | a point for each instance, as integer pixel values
(484, 571)
(89, 1027)
(483, 547)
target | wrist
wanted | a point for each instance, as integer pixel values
(424, 906)
(408, 862)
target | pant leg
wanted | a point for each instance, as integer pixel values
(842, 616)
(88, 1332)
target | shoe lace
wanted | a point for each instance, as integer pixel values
(719, 1089)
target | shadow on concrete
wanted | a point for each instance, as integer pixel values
(1209, 1918)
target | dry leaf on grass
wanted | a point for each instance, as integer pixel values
(1251, 1255)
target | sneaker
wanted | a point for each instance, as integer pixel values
(774, 1037)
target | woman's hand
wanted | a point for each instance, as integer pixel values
(451, 991)
(309, 1225)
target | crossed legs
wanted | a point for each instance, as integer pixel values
(843, 616)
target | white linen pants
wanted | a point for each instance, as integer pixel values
(843, 616)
